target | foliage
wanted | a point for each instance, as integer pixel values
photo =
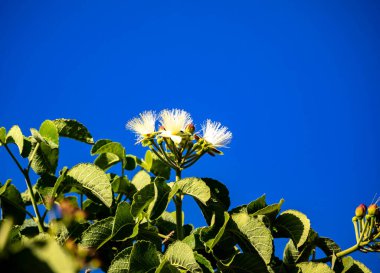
(87, 216)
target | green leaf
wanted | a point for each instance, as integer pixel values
(246, 263)
(45, 187)
(5, 186)
(312, 267)
(96, 234)
(120, 264)
(257, 204)
(12, 204)
(161, 199)
(293, 255)
(112, 148)
(295, 225)
(106, 161)
(15, 136)
(211, 235)
(142, 199)
(73, 129)
(252, 235)
(130, 162)
(98, 144)
(181, 255)
(124, 226)
(3, 135)
(141, 179)
(353, 266)
(194, 187)
(92, 179)
(144, 257)
(270, 211)
(49, 131)
(45, 159)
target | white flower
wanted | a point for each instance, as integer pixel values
(216, 134)
(174, 123)
(144, 125)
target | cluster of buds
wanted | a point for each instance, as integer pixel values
(367, 227)
(176, 141)
(70, 212)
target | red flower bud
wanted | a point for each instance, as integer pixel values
(373, 209)
(360, 210)
(190, 128)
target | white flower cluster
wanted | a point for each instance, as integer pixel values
(177, 124)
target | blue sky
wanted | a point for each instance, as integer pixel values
(297, 82)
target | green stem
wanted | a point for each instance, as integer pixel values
(25, 172)
(178, 208)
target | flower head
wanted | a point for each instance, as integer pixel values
(144, 125)
(216, 134)
(174, 123)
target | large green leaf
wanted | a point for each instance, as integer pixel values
(204, 263)
(312, 267)
(49, 131)
(252, 235)
(96, 234)
(120, 264)
(12, 204)
(15, 136)
(246, 263)
(194, 187)
(91, 178)
(293, 255)
(295, 225)
(181, 255)
(73, 129)
(144, 257)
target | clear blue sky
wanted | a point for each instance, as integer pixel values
(297, 82)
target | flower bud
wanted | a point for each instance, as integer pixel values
(360, 210)
(190, 128)
(372, 209)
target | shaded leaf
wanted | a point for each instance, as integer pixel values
(3, 135)
(142, 199)
(253, 235)
(13, 205)
(15, 136)
(166, 267)
(106, 161)
(328, 246)
(73, 129)
(161, 199)
(144, 257)
(97, 233)
(295, 225)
